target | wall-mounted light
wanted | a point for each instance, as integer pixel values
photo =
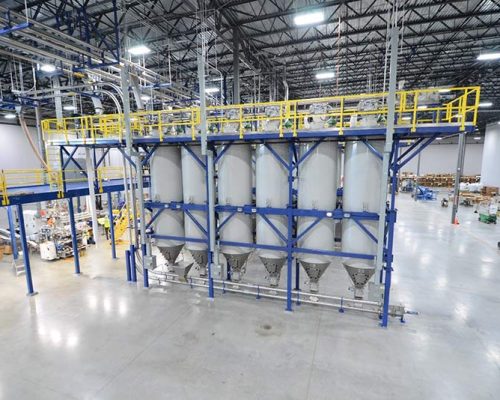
(309, 18)
(139, 50)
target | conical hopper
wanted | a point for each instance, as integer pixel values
(182, 269)
(236, 264)
(314, 271)
(360, 275)
(171, 252)
(201, 259)
(273, 267)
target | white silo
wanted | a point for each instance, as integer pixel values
(235, 189)
(195, 192)
(272, 191)
(166, 186)
(362, 182)
(317, 190)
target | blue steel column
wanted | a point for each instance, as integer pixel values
(111, 225)
(76, 256)
(24, 244)
(209, 222)
(12, 229)
(391, 219)
(289, 228)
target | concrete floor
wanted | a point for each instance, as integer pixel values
(96, 337)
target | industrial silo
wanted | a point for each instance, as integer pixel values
(195, 192)
(166, 186)
(235, 188)
(272, 191)
(362, 183)
(317, 190)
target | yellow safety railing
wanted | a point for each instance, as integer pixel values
(414, 108)
(105, 174)
(20, 180)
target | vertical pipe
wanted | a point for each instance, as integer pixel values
(458, 175)
(26, 256)
(236, 67)
(111, 225)
(391, 219)
(41, 144)
(289, 257)
(203, 99)
(12, 229)
(76, 256)
(209, 161)
(391, 103)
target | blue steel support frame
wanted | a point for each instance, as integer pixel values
(211, 292)
(111, 225)
(12, 231)
(76, 256)
(26, 255)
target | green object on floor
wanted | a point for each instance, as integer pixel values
(488, 219)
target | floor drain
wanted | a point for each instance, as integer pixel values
(267, 327)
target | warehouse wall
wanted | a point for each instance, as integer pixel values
(490, 170)
(442, 159)
(15, 150)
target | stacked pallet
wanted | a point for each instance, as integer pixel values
(445, 180)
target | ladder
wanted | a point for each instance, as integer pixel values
(122, 223)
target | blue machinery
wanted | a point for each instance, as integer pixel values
(420, 139)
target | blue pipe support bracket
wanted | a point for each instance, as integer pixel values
(133, 270)
(145, 273)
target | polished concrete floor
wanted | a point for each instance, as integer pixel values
(96, 337)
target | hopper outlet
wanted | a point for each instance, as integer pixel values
(314, 272)
(182, 270)
(273, 267)
(170, 252)
(360, 275)
(236, 263)
(201, 259)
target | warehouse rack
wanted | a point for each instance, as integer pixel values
(418, 123)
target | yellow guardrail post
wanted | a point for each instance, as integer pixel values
(415, 107)
(3, 188)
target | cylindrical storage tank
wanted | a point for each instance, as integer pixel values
(195, 192)
(235, 189)
(362, 183)
(166, 186)
(271, 191)
(317, 190)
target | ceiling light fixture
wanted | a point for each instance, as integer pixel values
(145, 97)
(48, 68)
(485, 104)
(325, 75)
(309, 18)
(488, 56)
(211, 90)
(10, 116)
(69, 107)
(477, 137)
(422, 107)
(444, 90)
(139, 50)
(439, 138)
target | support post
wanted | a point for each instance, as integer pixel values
(458, 175)
(289, 258)
(89, 161)
(133, 271)
(127, 265)
(391, 103)
(12, 229)
(111, 225)
(76, 256)
(418, 174)
(26, 256)
(41, 144)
